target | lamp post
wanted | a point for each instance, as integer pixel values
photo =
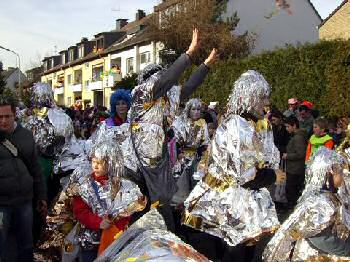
(19, 64)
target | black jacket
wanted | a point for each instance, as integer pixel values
(21, 177)
(296, 151)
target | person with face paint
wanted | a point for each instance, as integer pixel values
(146, 156)
(192, 136)
(319, 227)
(230, 201)
(120, 102)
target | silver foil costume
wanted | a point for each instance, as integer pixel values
(51, 126)
(218, 205)
(318, 210)
(192, 136)
(149, 240)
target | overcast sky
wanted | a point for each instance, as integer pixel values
(36, 28)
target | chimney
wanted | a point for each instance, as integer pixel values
(120, 23)
(140, 14)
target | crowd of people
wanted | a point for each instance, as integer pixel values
(165, 177)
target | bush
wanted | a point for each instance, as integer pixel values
(317, 72)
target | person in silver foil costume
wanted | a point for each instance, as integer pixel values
(318, 228)
(230, 201)
(192, 139)
(104, 199)
(149, 240)
(147, 156)
(51, 126)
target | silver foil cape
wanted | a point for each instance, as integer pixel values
(316, 210)
(148, 240)
(238, 147)
(147, 118)
(51, 129)
(248, 93)
(190, 135)
(308, 219)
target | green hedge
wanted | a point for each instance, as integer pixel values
(318, 72)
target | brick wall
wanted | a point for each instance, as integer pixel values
(338, 25)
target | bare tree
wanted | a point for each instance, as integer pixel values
(173, 27)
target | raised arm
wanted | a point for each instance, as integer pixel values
(198, 76)
(173, 73)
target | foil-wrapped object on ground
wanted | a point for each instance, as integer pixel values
(148, 240)
(238, 148)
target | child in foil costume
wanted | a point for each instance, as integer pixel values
(104, 199)
(192, 139)
(318, 228)
(230, 202)
(149, 240)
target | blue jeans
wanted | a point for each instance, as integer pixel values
(20, 219)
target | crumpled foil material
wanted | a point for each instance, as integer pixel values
(190, 136)
(148, 240)
(42, 95)
(308, 219)
(249, 92)
(317, 210)
(51, 128)
(238, 147)
(147, 116)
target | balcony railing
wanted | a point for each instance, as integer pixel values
(59, 90)
(97, 85)
(76, 88)
(109, 80)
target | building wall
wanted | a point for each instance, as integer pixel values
(338, 25)
(12, 80)
(280, 29)
(68, 97)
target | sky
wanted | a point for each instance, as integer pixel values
(39, 28)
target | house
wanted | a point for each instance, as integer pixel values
(12, 76)
(337, 24)
(89, 69)
(34, 74)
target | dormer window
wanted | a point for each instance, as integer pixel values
(63, 58)
(81, 51)
(52, 63)
(100, 44)
(71, 55)
(45, 66)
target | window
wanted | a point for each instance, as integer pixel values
(130, 65)
(71, 55)
(145, 57)
(81, 51)
(97, 72)
(63, 58)
(52, 63)
(69, 79)
(69, 101)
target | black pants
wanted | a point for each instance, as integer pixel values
(294, 187)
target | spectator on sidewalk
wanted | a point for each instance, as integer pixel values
(21, 181)
(306, 120)
(280, 135)
(292, 107)
(295, 160)
(319, 138)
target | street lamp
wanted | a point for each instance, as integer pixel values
(19, 64)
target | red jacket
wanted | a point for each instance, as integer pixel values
(83, 212)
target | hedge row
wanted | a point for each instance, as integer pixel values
(318, 72)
